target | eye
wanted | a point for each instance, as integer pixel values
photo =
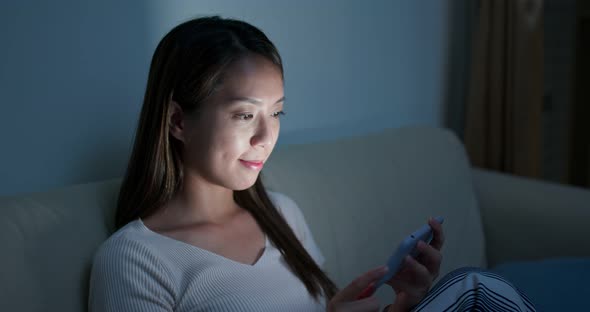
(245, 116)
(277, 114)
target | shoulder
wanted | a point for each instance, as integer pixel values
(289, 209)
(286, 206)
(127, 269)
(122, 239)
(124, 249)
(296, 220)
(282, 201)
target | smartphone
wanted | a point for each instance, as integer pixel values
(406, 247)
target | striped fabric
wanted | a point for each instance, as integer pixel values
(474, 289)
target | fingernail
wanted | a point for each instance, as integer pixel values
(367, 292)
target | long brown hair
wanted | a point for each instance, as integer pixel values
(186, 67)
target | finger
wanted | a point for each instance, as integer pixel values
(411, 273)
(438, 236)
(430, 257)
(418, 273)
(368, 304)
(408, 284)
(403, 302)
(350, 292)
(401, 285)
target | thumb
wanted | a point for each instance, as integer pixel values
(352, 290)
(402, 302)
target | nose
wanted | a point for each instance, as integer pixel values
(264, 135)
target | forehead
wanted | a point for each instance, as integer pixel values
(252, 76)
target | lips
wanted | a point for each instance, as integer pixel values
(252, 164)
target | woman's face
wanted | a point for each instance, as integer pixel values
(227, 143)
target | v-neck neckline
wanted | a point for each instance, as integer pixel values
(205, 251)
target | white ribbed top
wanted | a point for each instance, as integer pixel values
(137, 269)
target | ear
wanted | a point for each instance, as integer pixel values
(176, 121)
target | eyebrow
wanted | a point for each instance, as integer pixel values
(253, 101)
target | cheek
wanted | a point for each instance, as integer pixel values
(276, 132)
(231, 142)
(233, 146)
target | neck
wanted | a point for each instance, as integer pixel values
(200, 202)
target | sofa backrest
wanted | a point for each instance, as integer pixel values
(360, 197)
(48, 241)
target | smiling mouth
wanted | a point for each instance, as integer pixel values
(252, 164)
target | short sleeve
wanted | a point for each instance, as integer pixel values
(295, 218)
(125, 276)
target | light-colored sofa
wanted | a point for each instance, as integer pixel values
(360, 197)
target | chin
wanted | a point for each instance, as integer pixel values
(243, 185)
(242, 188)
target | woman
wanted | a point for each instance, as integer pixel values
(197, 231)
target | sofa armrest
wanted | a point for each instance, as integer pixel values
(526, 219)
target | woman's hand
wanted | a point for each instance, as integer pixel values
(345, 299)
(413, 281)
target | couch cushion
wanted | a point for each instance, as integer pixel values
(362, 195)
(552, 284)
(48, 241)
